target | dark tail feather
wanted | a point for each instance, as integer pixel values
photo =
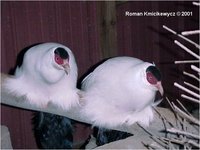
(104, 136)
(53, 131)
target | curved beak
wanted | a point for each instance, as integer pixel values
(66, 66)
(160, 88)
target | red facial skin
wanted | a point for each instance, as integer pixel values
(153, 81)
(58, 60)
(151, 78)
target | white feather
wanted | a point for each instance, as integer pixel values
(41, 82)
(117, 93)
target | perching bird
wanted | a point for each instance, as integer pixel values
(48, 74)
(121, 91)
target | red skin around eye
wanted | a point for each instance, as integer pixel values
(151, 78)
(58, 59)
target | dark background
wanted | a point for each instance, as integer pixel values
(93, 31)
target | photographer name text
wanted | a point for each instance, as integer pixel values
(158, 14)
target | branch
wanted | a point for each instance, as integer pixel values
(186, 61)
(195, 68)
(183, 107)
(181, 36)
(190, 98)
(183, 142)
(170, 30)
(186, 90)
(186, 49)
(191, 75)
(186, 116)
(190, 32)
(174, 130)
(196, 3)
(192, 86)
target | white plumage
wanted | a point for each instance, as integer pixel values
(117, 92)
(48, 74)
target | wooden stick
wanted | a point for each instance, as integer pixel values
(196, 3)
(153, 146)
(174, 130)
(190, 41)
(186, 49)
(170, 30)
(186, 90)
(182, 142)
(186, 116)
(195, 68)
(179, 120)
(193, 143)
(190, 32)
(183, 107)
(181, 36)
(192, 86)
(170, 104)
(187, 61)
(190, 98)
(191, 75)
(165, 120)
(160, 141)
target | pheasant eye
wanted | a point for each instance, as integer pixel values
(58, 59)
(151, 78)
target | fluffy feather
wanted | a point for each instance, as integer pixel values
(41, 80)
(117, 93)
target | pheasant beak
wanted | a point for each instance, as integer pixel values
(66, 66)
(160, 87)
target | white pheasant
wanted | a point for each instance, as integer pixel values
(121, 91)
(48, 74)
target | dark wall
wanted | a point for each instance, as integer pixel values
(75, 25)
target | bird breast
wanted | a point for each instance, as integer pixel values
(119, 83)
